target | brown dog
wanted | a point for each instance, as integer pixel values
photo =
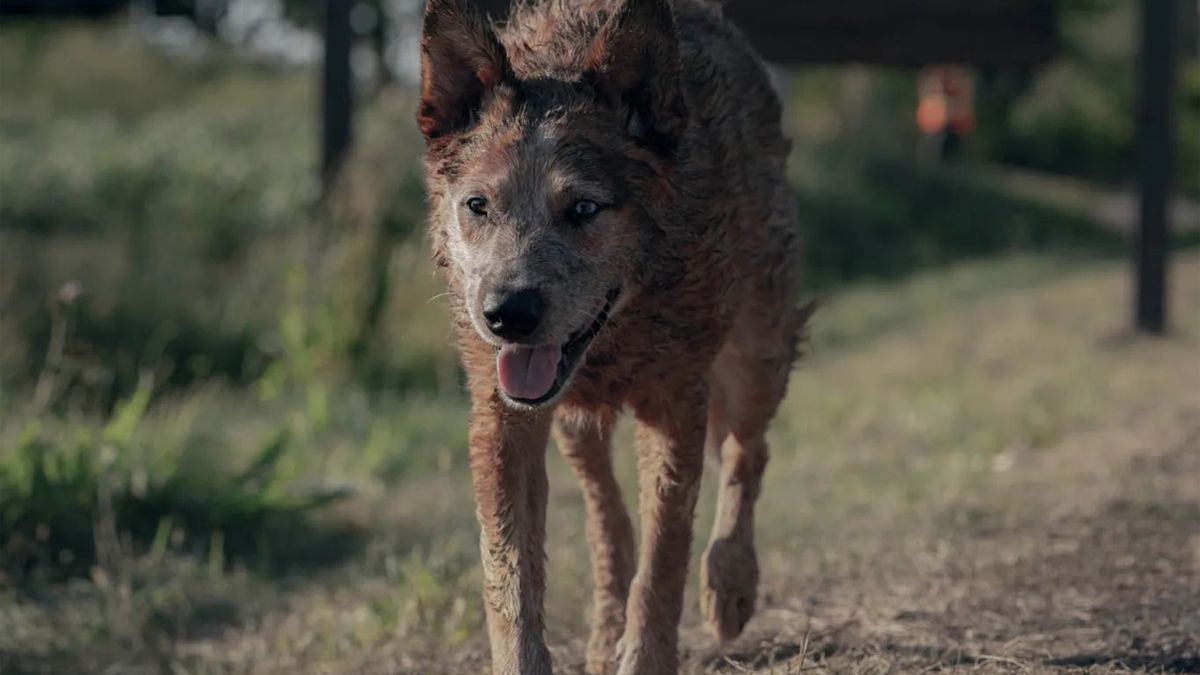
(609, 208)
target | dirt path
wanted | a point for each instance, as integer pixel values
(1107, 581)
(999, 487)
(970, 474)
(1102, 576)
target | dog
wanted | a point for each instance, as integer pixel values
(609, 208)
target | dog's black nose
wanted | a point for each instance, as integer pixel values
(513, 315)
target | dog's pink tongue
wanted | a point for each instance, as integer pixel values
(527, 372)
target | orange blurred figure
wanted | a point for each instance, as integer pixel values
(945, 109)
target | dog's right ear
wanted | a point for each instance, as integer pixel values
(461, 62)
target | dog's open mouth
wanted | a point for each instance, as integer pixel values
(535, 374)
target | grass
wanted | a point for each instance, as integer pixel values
(912, 444)
(178, 199)
(220, 453)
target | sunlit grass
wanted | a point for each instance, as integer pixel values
(883, 440)
(212, 398)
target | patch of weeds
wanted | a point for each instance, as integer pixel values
(68, 504)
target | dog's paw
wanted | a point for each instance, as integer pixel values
(649, 660)
(603, 654)
(622, 648)
(728, 586)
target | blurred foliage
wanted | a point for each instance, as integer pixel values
(1076, 114)
(198, 364)
(181, 214)
(849, 238)
(1073, 116)
(80, 498)
(158, 223)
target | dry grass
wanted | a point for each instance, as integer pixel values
(974, 472)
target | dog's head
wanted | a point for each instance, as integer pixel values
(546, 181)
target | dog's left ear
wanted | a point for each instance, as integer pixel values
(462, 61)
(634, 62)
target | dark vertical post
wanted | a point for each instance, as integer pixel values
(1190, 28)
(337, 96)
(1156, 139)
(337, 112)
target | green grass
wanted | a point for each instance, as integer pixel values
(226, 454)
(886, 445)
(178, 197)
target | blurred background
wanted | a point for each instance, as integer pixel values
(232, 425)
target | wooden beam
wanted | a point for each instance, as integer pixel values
(890, 32)
(899, 32)
(1156, 161)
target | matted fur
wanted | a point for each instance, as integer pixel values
(660, 113)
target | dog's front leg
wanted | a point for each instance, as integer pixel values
(670, 440)
(508, 465)
(586, 442)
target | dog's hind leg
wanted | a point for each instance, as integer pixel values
(750, 387)
(749, 379)
(586, 443)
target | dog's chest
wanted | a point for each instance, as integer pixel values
(644, 351)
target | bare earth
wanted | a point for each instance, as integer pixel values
(1109, 581)
(975, 471)
(1079, 555)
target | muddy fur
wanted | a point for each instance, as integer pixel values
(658, 113)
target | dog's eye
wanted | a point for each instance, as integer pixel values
(584, 209)
(477, 205)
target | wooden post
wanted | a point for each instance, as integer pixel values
(336, 121)
(1156, 158)
(337, 94)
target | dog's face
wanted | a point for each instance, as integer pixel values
(540, 188)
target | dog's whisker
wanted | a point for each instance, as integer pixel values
(580, 316)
